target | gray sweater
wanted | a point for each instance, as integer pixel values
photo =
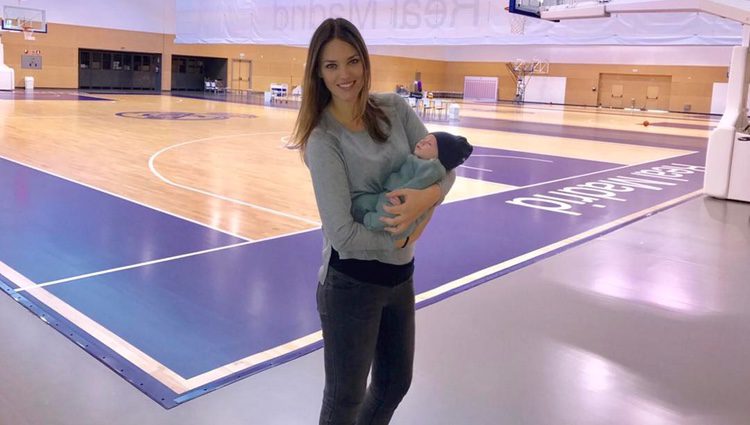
(345, 164)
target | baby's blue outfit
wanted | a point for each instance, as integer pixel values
(414, 173)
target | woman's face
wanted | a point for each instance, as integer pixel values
(342, 70)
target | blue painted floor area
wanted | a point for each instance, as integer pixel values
(55, 229)
(523, 168)
(213, 309)
(202, 312)
(521, 221)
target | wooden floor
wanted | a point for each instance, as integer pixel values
(643, 325)
(236, 175)
(547, 345)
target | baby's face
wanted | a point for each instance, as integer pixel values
(427, 148)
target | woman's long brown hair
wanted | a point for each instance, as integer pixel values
(316, 95)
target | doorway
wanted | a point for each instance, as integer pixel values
(190, 73)
(627, 91)
(241, 74)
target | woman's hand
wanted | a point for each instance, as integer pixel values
(403, 243)
(415, 203)
(421, 226)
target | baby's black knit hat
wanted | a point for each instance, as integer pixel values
(452, 150)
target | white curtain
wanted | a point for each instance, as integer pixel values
(435, 22)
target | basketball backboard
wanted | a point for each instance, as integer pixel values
(534, 8)
(555, 10)
(24, 19)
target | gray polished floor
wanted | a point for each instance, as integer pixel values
(647, 325)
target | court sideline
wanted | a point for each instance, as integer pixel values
(521, 349)
(575, 274)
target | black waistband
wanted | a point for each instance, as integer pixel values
(372, 271)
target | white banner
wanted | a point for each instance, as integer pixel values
(434, 22)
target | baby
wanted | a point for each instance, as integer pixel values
(434, 156)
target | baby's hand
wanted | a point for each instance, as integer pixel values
(394, 200)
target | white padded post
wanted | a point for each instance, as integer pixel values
(724, 160)
(721, 141)
(7, 75)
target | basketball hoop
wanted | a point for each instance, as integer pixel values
(517, 23)
(28, 31)
(521, 66)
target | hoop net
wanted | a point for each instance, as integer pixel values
(28, 31)
(523, 67)
(517, 24)
(536, 66)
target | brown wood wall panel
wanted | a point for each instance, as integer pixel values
(284, 64)
(579, 91)
(635, 89)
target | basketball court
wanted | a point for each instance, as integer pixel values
(170, 244)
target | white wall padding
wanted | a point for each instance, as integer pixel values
(719, 99)
(480, 89)
(543, 89)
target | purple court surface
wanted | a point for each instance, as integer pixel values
(585, 133)
(523, 169)
(195, 299)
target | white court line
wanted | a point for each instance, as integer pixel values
(291, 346)
(157, 261)
(607, 170)
(549, 248)
(512, 157)
(476, 168)
(124, 198)
(129, 352)
(180, 385)
(131, 266)
(216, 195)
(69, 279)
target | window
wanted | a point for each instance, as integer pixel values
(96, 60)
(85, 60)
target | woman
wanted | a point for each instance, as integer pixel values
(351, 141)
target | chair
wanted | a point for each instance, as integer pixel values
(439, 108)
(426, 107)
(279, 92)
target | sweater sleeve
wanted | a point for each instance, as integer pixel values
(331, 186)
